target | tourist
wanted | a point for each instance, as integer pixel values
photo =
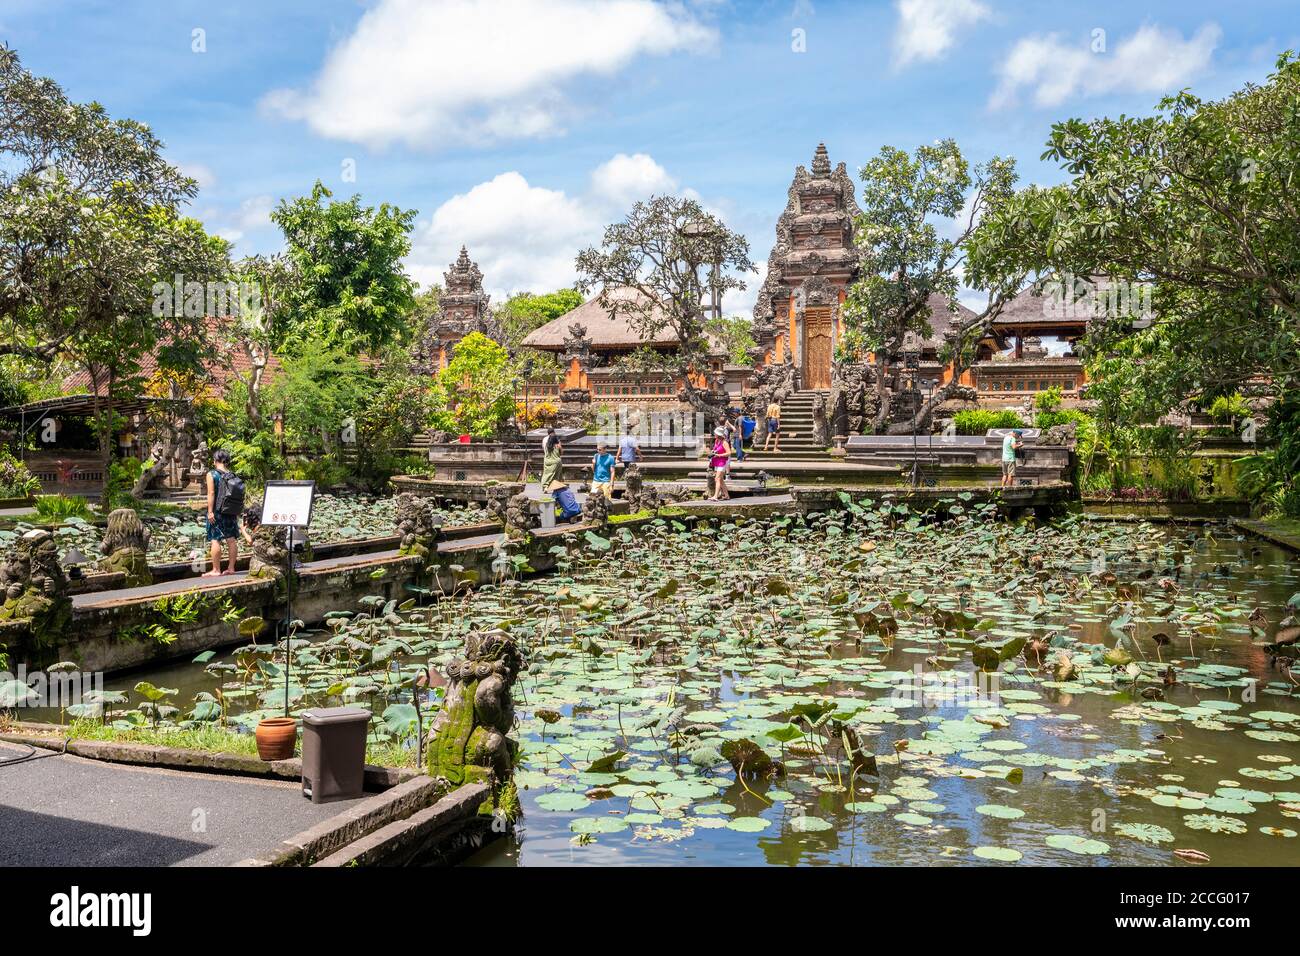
(570, 510)
(773, 417)
(225, 502)
(738, 435)
(552, 459)
(602, 472)
(718, 465)
(629, 450)
(1011, 444)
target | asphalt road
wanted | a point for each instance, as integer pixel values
(61, 810)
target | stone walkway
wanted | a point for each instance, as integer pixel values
(61, 810)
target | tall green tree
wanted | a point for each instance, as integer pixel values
(345, 284)
(1202, 201)
(905, 258)
(90, 221)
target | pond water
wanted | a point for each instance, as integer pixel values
(1144, 716)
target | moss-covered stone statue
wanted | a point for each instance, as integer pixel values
(519, 516)
(126, 547)
(468, 738)
(267, 555)
(417, 525)
(35, 587)
(595, 510)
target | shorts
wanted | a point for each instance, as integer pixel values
(1008, 469)
(605, 488)
(222, 527)
(774, 426)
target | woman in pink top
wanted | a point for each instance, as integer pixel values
(718, 464)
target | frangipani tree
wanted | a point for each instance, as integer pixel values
(672, 254)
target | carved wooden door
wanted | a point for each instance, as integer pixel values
(817, 348)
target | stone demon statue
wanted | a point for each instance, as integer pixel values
(417, 524)
(126, 547)
(35, 587)
(468, 738)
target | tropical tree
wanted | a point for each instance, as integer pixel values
(735, 334)
(906, 257)
(343, 283)
(1201, 202)
(90, 222)
(654, 270)
(479, 386)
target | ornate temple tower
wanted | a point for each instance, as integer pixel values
(462, 309)
(797, 316)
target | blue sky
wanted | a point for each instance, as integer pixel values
(520, 127)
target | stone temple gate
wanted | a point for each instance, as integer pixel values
(797, 317)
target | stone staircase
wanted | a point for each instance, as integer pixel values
(797, 429)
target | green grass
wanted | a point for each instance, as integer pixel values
(214, 739)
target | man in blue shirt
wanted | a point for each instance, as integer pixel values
(602, 472)
(629, 450)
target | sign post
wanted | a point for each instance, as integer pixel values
(287, 504)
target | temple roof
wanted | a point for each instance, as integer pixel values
(604, 330)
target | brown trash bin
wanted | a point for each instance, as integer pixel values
(334, 753)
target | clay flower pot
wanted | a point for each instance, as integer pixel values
(276, 737)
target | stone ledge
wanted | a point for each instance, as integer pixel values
(359, 820)
(402, 841)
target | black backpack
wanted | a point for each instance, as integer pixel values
(229, 501)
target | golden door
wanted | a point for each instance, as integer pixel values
(817, 348)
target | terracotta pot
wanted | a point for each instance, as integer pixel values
(276, 737)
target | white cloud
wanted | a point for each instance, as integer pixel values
(1152, 60)
(430, 72)
(200, 173)
(927, 28)
(253, 213)
(525, 237)
(625, 179)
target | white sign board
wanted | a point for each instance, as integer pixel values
(288, 503)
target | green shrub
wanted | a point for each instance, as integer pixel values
(1048, 401)
(15, 480)
(979, 421)
(58, 508)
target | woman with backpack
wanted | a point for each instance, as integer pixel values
(225, 503)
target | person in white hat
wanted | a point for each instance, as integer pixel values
(718, 463)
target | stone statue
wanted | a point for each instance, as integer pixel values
(126, 547)
(640, 496)
(853, 402)
(35, 587)
(468, 738)
(595, 510)
(498, 501)
(820, 438)
(519, 515)
(417, 525)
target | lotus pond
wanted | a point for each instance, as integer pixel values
(178, 537)
(1136, 705)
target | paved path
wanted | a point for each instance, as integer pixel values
(61, 810)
